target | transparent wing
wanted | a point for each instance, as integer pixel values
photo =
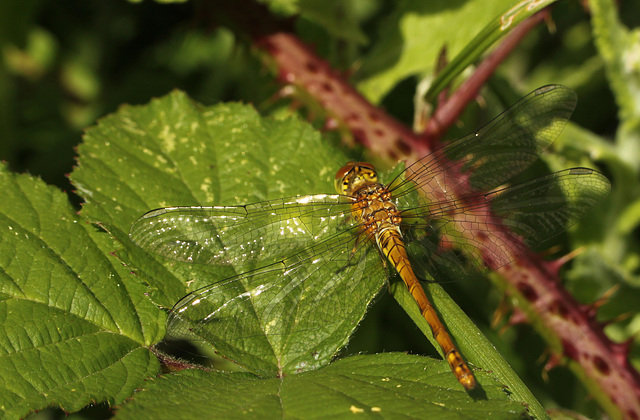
(297, 309)
(315, 278)
(496, 227)
(267, 231)
(494, 154)
(445, 200)
(289, 316)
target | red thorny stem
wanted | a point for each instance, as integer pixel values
(580, 338)
(448, 112)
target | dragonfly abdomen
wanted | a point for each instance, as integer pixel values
(392, 246)
(374, 209)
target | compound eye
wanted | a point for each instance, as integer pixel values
(342, 172)
(341, 182)
(366, 166)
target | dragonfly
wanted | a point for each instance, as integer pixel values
(305, 268)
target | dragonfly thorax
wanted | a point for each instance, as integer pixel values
(375, 210)
(373, 206)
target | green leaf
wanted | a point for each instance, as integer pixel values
(75, 322)
(496, 29)
(390, 385)
(629, 219)
(411, 39)
(474, 346)
(618, 47)
(175, 152)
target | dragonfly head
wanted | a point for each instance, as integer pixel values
(353, 176)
